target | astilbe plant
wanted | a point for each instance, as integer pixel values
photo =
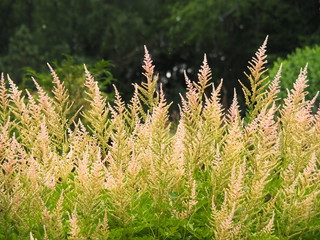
(118, 170)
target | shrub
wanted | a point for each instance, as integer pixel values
(73, 77)
(291, 65)
(125, 174)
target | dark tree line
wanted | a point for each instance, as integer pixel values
(177, 34)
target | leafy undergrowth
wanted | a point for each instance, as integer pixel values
(120, 172)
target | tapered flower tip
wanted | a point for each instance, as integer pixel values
(205, 58)
(204, 74)
(148, 67)
(265, 41)
(85, 68)
(88, 74)
(261, 53)
(53, 73)
(49, 66)
(234, 108)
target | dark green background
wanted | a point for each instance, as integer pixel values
(177, 34)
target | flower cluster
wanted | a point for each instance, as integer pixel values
(119, 170)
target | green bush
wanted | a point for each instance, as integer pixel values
(72, 74)
(290, 70)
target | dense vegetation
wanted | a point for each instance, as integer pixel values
(119, 171)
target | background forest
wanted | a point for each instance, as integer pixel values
(69, 33)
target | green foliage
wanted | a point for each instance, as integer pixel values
(290, 66)
(180, 32)
(21, 49)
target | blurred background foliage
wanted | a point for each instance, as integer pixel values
(177, 34)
